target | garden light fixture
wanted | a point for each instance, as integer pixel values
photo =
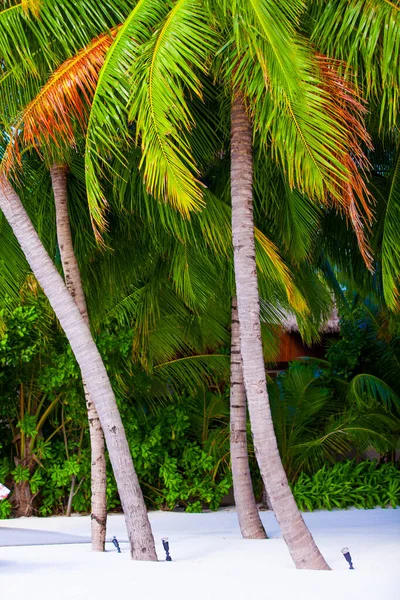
(165, 544)
(116, 544)
(346, 554)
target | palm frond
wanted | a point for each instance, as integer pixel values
(365, 34)
(164, 76)
(271, 266)
(364, 388)
(194, 372)
(15, 34)
(65, 98)
(292, 217)
(108, 133)
(390, 241)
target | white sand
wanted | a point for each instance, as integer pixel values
(210, 560)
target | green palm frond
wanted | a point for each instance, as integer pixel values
(208, 233)
(293, 217)
(390, 241)
(16, 38)
(194, 372)
(365, 35)
(277, 75)
(165, 75)
(13, 266)
(107, 132)
(71, 25)
(301, 107)
(366, 388)
(343, 434)
(33, 40)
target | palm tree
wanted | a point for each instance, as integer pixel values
(39, 53)
(69, 83)
(249, 518)
(161, 84)
(317, 180)
(73, 282)
(93, 372)
(36, 118)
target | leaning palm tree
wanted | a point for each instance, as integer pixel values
(34, 120)
(16, 62)
(92, 368)
(74, 285)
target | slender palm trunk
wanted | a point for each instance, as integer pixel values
(73, 282)
(299, 540)
(92, 369)
(247, 511)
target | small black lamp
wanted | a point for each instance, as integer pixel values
(165, 544)
(116, 544)
(346, 554)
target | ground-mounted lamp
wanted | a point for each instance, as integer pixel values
(116, 544)
(165, 544)
(346, 554)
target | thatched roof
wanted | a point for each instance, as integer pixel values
(330, 326)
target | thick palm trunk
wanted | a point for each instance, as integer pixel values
(92, 369)
(73, 282)
(299, 540)
(247, 511)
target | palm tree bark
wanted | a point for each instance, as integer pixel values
(73, 282)
(247, 511)
(92, 369)
(298, 538)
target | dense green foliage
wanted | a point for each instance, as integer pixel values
(180, 444)
(346, 484)
(179, 436)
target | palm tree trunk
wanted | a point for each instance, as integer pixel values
(73, 282)
(299, 540)
(247, 511)
(92, 369)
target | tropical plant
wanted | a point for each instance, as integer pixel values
(363, 485)
(318, 419)
(189, 435)
(37, 116)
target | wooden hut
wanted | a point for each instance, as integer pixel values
(292, 346)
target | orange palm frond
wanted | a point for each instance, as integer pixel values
(32, 6)
(64, 100)
(353, 198)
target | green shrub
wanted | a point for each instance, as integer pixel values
(346, 484)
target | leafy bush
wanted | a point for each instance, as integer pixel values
(346, 484)
(181, 452)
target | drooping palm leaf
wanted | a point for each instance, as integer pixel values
(162, 79)
(390, 241)
(364, 388)
(365, 34)
(65, 98)
(108, 131)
